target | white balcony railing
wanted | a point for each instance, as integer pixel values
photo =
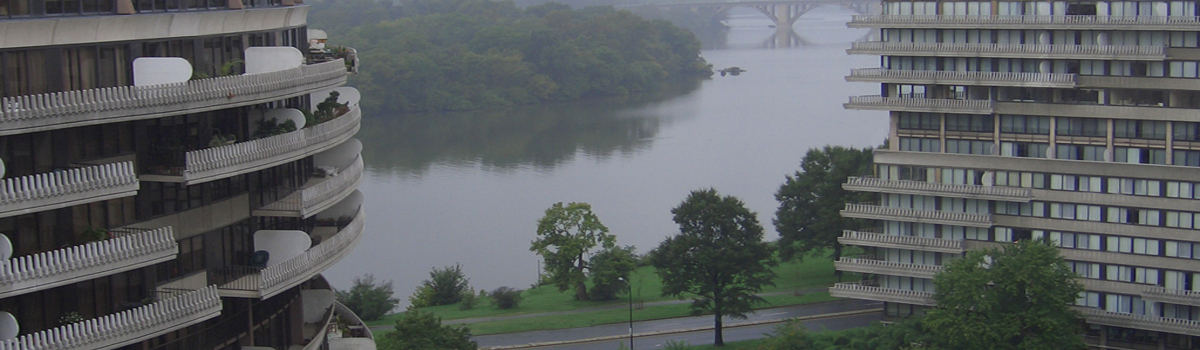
(877, 212)
(61, 189)
(871, 239)
(918, 104)
(312, 200)
(106, 105)
(1173, 296)
(1010, 50)
(291, 272)
(1019, 21)
(213, 163)
(859, 291)
(881, 267)
(1015, 194)
(1063, 80)
(88, 261)
(1153, 323)
(126, 327)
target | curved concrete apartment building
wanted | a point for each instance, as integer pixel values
(1077, 120)
(161, 186)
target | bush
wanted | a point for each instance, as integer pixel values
(468, 300)
(422, 331)
(506, 298)
(368, 300)
(445, 286)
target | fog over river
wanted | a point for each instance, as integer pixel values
(469, 187)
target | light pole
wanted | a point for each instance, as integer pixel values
(630, 285)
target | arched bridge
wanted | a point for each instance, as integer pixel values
(783, 13)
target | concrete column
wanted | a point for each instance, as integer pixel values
(1170, 142)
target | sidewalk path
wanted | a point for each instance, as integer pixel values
(385, 328)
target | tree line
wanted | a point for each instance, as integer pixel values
(437, 55)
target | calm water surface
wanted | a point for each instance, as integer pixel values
(468, 188)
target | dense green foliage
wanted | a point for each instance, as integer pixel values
(445, 286)
(610, 272)
(718, 258)
(506, 298)
(419, 330)
(368, 300)
(427, 55)
(1018, 297)
(807, 220)
(567, 235)
(902, 335)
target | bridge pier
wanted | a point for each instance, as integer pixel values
(784, 15)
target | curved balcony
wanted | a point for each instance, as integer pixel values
(1076, 22)
(317, 195)
(240, 158)
(268, 281)
(1087, 52)
(1173, 296)
(55, 268)
(23, 114)
(1153, 323)
(60, 189)
(881, 75)
(919, 104)
(876, 212)
(126, 327)
(859, 291)
(881, 267)
(1000, 193)
(872, 239)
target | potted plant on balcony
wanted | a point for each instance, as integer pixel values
(219, 139)
(95, 234)
(70, 317)
(272, 127)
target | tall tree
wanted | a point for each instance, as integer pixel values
(1018, 297)
(567, 236)
(718, 258)
(807, 220)
(610, 272)
(367, 299)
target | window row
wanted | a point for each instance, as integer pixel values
(1042, 37)
(1042, 8)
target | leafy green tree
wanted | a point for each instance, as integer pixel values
(718, 258)
(610, 272)
(808, 219)
(419, 330)
(567, 235)
(445, 286)
(367, 299)
(1018, 297)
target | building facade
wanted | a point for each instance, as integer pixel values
(1009, 120)
(174, 174)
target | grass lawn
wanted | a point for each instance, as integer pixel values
(812, 273)
(737, 345)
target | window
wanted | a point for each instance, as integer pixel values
(1186, 250)
(1021, 124)
(919, 121)
(1072, 211)
(1176, 189)
(1023, 149)
(1081, 127)
(1135, 155)
(969, 122)
(1133, 216)
(1085, 270)
(1074, 240)
(1186, 158)
(1186, 131)
(1020, 209)
(969, 147)
(920, 144)
(1130, 245)
(1075, 183)
(1182, 219)
(1079, 152)
(1140, 129)
(1138, 187)
(1020, 179)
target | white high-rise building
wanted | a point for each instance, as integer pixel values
(1077, 120)
(160, 186)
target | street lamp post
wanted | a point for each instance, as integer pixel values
(630, 285)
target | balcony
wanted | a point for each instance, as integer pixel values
(881, 267)
(1153, 323)
(55, 268)
(1013, 79)
(872, 239)
(252, 282)
(126, 327)
(1173, 296)
(859, 291)
(876, 212)
(23, 114)
(1000, 193)
(220, 162)
(318, 194)
(919, 104)
(61, 189)
(1074, 22)
(1087, 52)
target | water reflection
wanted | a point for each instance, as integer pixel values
(540, 137)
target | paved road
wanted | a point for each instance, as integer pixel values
(765, 315)
(704, 337)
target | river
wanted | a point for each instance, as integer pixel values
(468, 188)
